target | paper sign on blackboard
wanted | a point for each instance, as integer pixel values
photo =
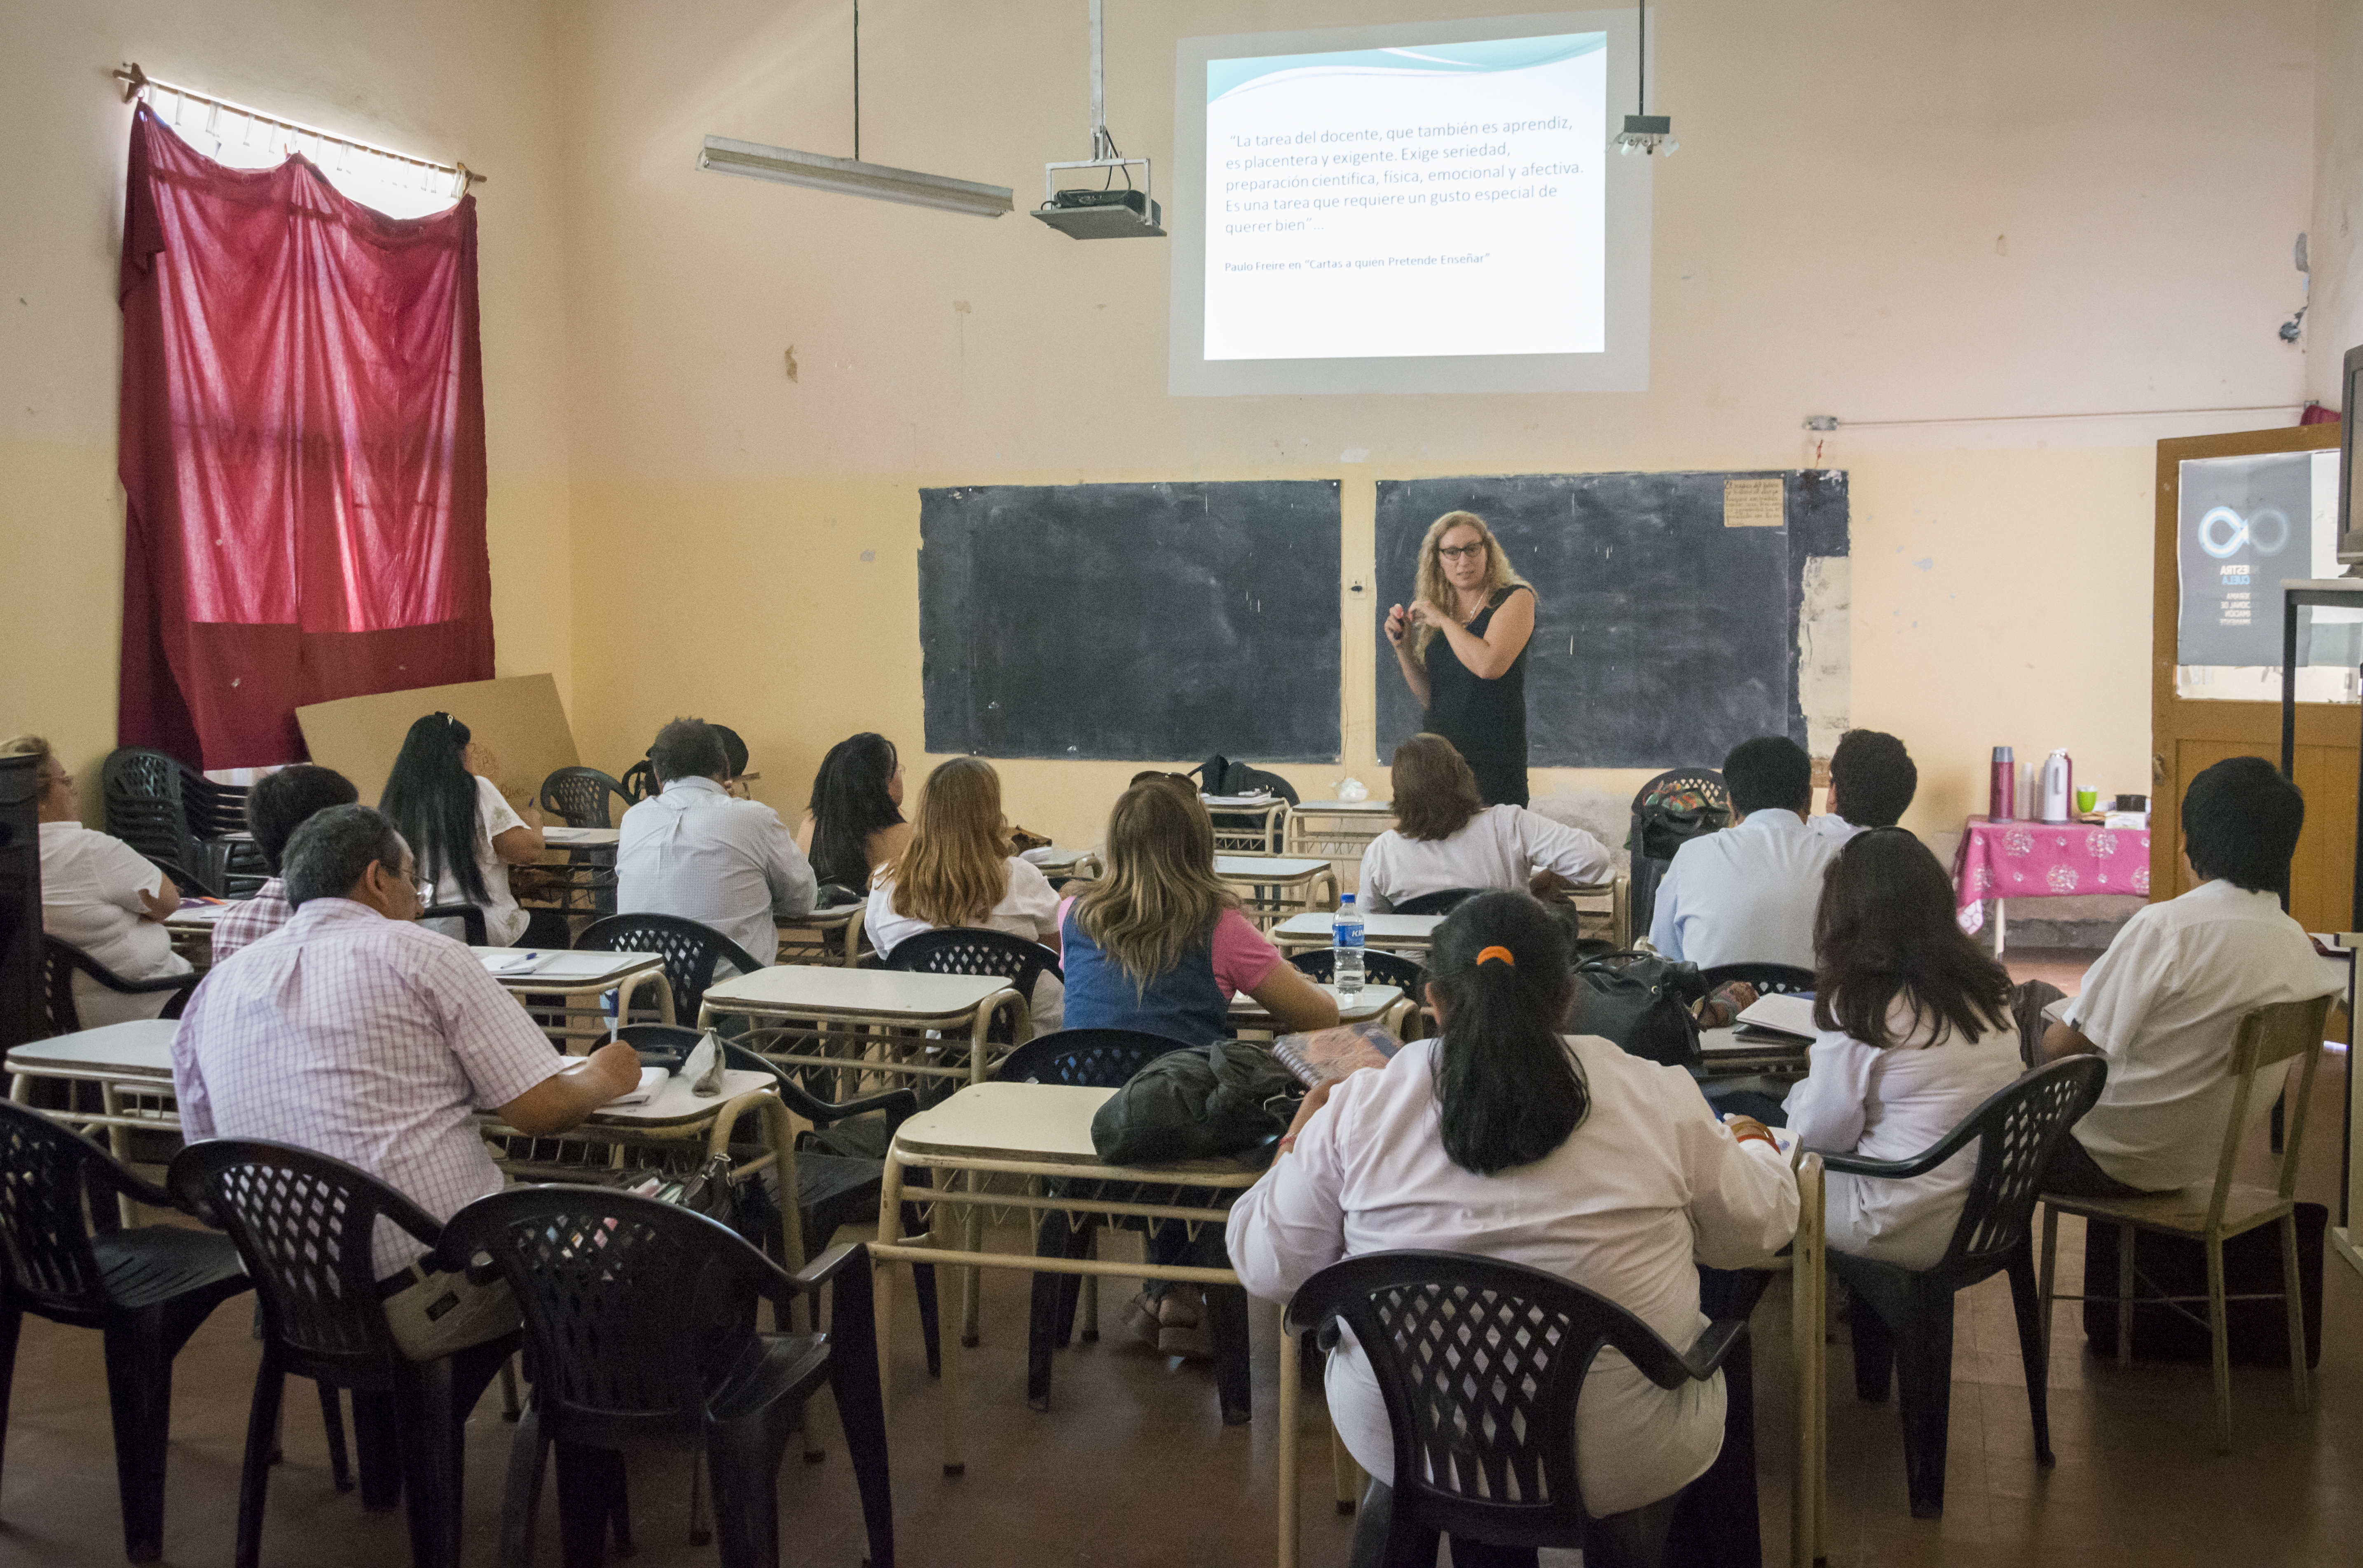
(1753, 503)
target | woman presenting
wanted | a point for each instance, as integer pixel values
(1462, 646)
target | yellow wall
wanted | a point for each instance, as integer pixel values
(446, 79)
(2008, 217)
(1879, 212)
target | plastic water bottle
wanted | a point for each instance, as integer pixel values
(1345, 948)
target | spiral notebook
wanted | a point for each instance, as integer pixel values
(1328, 1053)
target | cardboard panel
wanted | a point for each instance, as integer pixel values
(519, 719)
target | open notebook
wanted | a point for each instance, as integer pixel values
(1775, 1018)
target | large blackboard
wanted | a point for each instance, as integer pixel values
(1662, 638)
(1136, 622)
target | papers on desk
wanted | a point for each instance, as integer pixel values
(1788, 1016)
(1260, 798)
(651, 1080)
(519, 963)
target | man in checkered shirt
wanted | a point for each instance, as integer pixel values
(357, 1034)
(275, 808)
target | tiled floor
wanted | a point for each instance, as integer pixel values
(1133, 1466)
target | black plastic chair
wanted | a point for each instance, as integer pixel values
(832, 1189)
(639, 1327)
(1770, 980)
(305, 1226)
(1903, 1319)
(1107, 1058)
(639, 782)
(1481, 1362)
(1675, 807)
(62, 960)
(187, 883)
(972, 950)
(470, 916)
(580, 796)
(1379, 968)
(146, 1290)
(1442, 901)
(691, 950)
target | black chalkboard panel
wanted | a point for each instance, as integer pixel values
(1134, 622)
(1662, 638)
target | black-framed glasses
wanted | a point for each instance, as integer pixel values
(1459, 552)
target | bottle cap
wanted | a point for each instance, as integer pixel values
(1345, 898)
(2002, 754)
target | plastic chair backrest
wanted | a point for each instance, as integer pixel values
(634, 1309)
(640, 782)
(691, 950)
(305, 1226)
(470, 916)
(579, 795)
(60, 959)
(2017, 1128)
(1091, 1058)
(972, 950)
(145, 804)
(1778, 979)
(1379, 968)
(1707, 811)
(2265, 1036)
(44, 1230)
(1442, 901)
(1480, 1363)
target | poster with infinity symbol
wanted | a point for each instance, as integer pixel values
(2246, 524)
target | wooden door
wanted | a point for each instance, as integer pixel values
(2187, 735)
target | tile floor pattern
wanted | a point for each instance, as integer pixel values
(1133, 1467)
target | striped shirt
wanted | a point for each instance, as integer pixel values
(369, 1040)
(250, 922)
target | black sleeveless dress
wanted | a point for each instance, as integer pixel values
(1484, 719)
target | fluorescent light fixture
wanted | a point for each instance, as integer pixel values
(851, 177)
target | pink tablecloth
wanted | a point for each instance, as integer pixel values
(2045, 860)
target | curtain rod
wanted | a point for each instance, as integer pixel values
(136, 82)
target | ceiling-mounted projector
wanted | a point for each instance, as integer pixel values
(1106, 213)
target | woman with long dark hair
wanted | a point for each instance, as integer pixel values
(1505, 1139)
(854, 823)
(463, 834)
(1916, 1031)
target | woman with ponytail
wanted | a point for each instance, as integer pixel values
(459, 827)
(1505, 1139)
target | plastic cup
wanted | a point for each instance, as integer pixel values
(2087, 800)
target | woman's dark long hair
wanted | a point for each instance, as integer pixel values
(430, 799)
(848, 803)
(1884, 929)
(1511, 1093)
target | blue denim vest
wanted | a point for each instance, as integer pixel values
(1183, 1003)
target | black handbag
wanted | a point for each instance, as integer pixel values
(1642, 1002)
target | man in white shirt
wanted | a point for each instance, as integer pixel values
(2164, 1001)
(100, 895)
(356, 1032)
(694, 852)
(1873, 780)
(1746, 895)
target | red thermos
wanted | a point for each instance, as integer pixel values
(2002, 805)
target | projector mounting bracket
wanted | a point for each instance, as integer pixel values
(1103, 214)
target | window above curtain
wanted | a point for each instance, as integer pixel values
(302, 452)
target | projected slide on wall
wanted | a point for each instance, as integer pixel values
(1436, 199)
(1409, 207)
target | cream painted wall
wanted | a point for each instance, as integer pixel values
(443, 78)
(2334, 320)
(1882, 211)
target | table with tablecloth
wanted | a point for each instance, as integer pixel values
(2020, 859)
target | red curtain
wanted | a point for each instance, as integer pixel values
(302, 452)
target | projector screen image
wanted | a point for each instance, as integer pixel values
(1436, 199)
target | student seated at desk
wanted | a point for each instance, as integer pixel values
(1446, 836)
(101, 895)
(1746, 895)
(2163, 1003)
(1506, 1140)
(466, 833)
(359, 1034)
(693, 850)
(275, 808)
(854, 823)
(957, 871)
(1916, 1031)
(1158, 943)
(1873, 780)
